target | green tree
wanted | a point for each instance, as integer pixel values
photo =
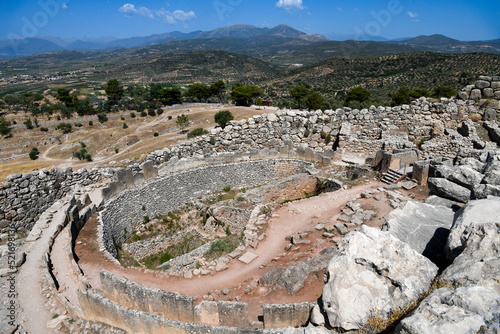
(182, 121)
(218, 89)
(402, 96)
(419, 92)
(85, 108)
(114, 91)
(34, 153)
(359, 94)
(198, 92)
(4, 126)
(245, 95)
(170, 96)
(315, 101)
(63, 94)
(443, 91)
(223, 117)
(299, 93)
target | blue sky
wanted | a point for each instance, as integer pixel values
(464, 20)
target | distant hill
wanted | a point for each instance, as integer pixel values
(442, 43)
(31, 46)
(25, 47)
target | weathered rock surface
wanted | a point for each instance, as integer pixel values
(422, 226)
(373, 273)
(293, 277)
(448, 189)
(481, 212)
(479, 263)
(444, 311)
(466, 177)
(436, 200)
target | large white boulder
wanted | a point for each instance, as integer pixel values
(479, 263)
(461, 311)
(422, 226)
(479, 211)
(372, 274)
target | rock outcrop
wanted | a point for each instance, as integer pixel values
(422, 226)
(464, 310)
(479, 263)
(478, 212)
(448, 189)
(372, 274)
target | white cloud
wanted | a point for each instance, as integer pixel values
(174, 17)
(356, 9)
(413, 16)
(340, 9)
(64, 6)
(290, 5)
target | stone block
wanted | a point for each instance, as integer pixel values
(421, 172)
(482, 84)
(185, 308)
(278, 315)
(149, 170)
(207, 313)
(475, 94)
(233, 314)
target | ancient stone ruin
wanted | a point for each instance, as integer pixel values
(432, 268)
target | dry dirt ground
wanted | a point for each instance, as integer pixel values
(287, 220)
(102, 140)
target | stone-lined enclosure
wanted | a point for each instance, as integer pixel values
(122, 214)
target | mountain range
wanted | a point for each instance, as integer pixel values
(236, 38)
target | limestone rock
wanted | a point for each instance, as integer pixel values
(466, 177)
(479, 263)
(484, 190)
(372, 273)
(464, 310)
(422, 226)
(436, 200)
(479, 211)
(448, 189)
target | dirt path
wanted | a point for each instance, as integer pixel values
(62, 267)
(34, 314)
(294, 217)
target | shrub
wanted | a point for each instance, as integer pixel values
(143, 113)
(117, 150)
(78, 125)
(122, 118)
(44, 129)
(197, 132)
(132, 114)
(443, 91)
(125, 126)
(91, 123)
(146, 219)
(28, 123)
(307, 133)
(65, 127)
(34, 153)
(227, 189)
(182, 121)
(169, 116)
(223, 117)
(4, 126)
(156, 134)
(159, 112)
(152, 113)
(102, 117)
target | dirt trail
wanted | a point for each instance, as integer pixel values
(62, 267)
(34, 314)
(293, 217)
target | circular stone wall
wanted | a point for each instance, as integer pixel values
(121, 215)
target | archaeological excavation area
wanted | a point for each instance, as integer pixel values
(392, 225)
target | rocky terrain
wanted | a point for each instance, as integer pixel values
(432, 267)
